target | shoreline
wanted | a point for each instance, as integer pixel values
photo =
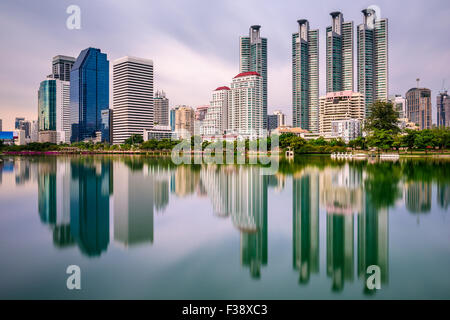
(166, 153)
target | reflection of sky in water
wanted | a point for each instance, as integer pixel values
(148, 229)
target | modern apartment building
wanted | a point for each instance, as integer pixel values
(347, 130)
(184, 122)
(161, 105)
(443, 109)
(89, 94)
(216, 118)
(343, 105)
(132, 97)
(61, 67)
(373, 63)
(246, 113)
(305, 77)
(253, 57)
(339, 54)
(419, 107)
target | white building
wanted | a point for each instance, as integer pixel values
(158, 133)
(34, 134)
(216, 118)
(341, 105)
(347, 130)
(246, 113)
(399, 105)
(62, 111)
(132, 97)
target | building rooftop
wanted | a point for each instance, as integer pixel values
(222, 88)
(249, 73)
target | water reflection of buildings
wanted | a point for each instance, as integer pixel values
(306, 224)
(344, 197)
(241, 192)
(443, 195)
(418, 197)
(341, 195)
(73, 199)
(133, 205)
(89, 205)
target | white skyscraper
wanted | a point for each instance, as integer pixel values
(62, 111)
(246, 112)
(132, 97)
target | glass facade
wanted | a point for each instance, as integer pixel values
(47, 105)
(106, 125)
(89, 94)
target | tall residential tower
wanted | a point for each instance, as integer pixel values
(253, 57)
(339, 54)
(305, 77)
(373, 73)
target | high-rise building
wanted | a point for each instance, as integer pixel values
(339, 54)
(246, 113)
(253, 57)
(89, 94)
(26, 127)
(54, 110)
(419, 107)
(344, 105)
(1, 125)
(276, 120)
(34, 135)
(305, 77)
(184, 121)
(172, 118)
(161, 104)
(200, 115)
(61, 67)
(132, 97)
(17, 122)
(216, 118)
(399, 104)
(443, 109)
(373, 72)
(107, 128)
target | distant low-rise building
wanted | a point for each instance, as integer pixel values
(347, 130)
(158, 133)
(285, 129)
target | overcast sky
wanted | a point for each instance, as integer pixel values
(195, 43)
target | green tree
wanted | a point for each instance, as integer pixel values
(134, 139)
(382, 117)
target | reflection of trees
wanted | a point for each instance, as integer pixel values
(382, 183)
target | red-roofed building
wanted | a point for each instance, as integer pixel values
(246, 74)
(222, 88)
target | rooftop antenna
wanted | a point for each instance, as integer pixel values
(418, 80)
(443, 89)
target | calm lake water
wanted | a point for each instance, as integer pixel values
(144, 228)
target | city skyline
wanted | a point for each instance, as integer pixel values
(170, 46)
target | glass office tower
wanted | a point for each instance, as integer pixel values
(89, 94)
(47, 105)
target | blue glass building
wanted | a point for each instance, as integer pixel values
(47, 105)
(89, 94)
